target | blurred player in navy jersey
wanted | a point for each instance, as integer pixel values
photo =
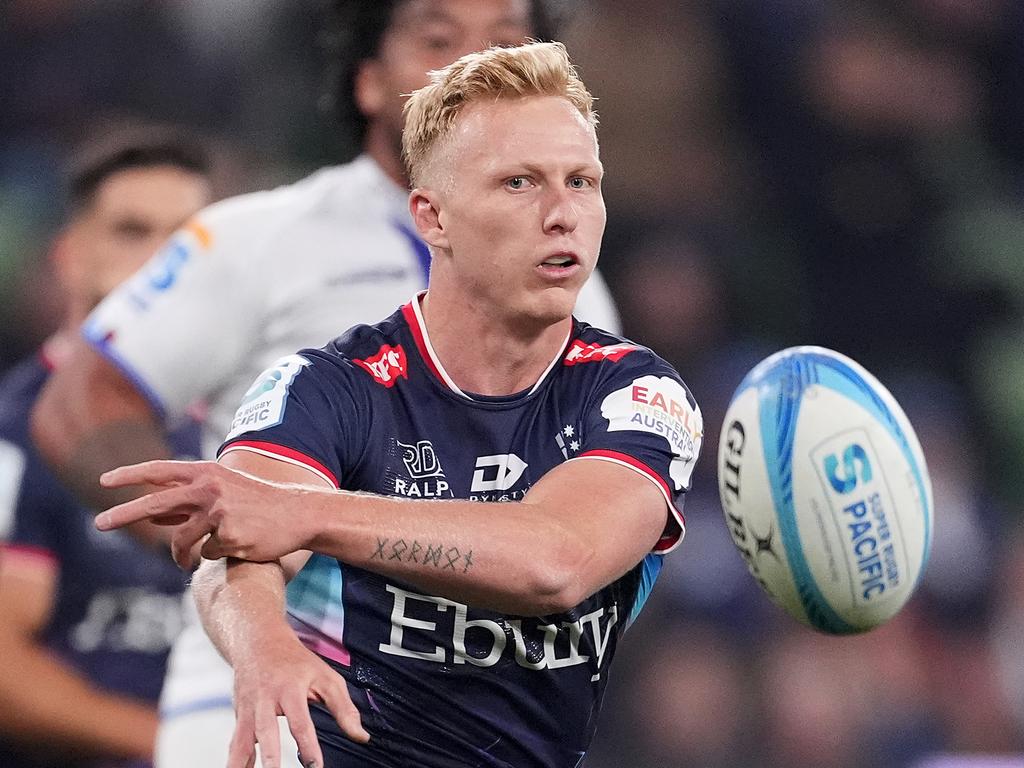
(258, 277)
(435, 629)
(87, 622)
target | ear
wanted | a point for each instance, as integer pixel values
(424, 205)
(369, 89)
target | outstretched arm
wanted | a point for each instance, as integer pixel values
(582, 526)
(88, 419)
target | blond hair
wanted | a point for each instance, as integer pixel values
(533, 69)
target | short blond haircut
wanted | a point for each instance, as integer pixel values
(533, 69)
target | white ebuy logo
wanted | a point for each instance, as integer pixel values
(562, 639)
(509, 469)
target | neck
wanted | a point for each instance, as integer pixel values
(381, 147)
(502, 358)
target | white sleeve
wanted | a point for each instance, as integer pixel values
(12, 474)
(594, 305)
(179, 326)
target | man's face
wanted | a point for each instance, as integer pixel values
(425, 35)
(520, 210)
(130, 216)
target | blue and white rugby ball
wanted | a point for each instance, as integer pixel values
(825, 490)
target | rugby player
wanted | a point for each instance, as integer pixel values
(87, 623)
(255, 278)
(445, 631)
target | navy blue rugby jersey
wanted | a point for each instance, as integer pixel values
(447, 683)
(117, 607)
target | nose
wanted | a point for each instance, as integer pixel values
(561, 215)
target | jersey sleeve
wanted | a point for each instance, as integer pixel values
(643, 417)
(307, 410)
(179, 326)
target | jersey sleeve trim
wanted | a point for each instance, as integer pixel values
(105, 350)
(27, 553)
(282, 453)
(668, 541)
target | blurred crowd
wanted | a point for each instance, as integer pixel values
(848, 173)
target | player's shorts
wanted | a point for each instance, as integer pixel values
(202, 739)
(393, 745)
(339, 750)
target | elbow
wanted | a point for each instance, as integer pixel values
(560, 582)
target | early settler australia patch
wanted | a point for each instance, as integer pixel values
(263, 405)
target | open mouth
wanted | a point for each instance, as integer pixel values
(559, 260)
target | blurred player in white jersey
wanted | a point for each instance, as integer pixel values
(257, 277)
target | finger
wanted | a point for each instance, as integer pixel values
(334, 694)
(215, 549)
(185, 539)
(161, 472)
(268, 736)
(242, 751)
(296, 711)
(178, 500)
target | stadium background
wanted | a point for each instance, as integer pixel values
(803, 171)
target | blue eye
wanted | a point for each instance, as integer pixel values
(578, 182)
(516, 182)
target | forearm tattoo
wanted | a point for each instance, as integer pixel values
(428, 554)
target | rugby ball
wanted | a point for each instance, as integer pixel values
(825, 490)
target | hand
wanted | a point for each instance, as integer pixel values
(280, 679)
(244, 517)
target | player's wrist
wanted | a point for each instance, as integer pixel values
(305, 520)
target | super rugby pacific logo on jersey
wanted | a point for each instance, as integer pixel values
(659, 405)
(263, 404)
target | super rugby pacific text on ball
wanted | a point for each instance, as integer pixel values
(825, 490)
